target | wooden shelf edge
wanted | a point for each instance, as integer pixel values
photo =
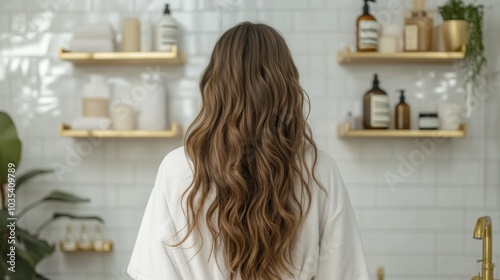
(344, 131)
(173, 57)
(66, 131)
(107, 249)
(347, 57)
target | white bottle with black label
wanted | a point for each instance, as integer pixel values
(376, 112)
(165, 32)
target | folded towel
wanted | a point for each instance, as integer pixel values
(94, 31)
(92, 45)
(91, 123)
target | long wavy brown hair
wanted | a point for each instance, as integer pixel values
(248, 145)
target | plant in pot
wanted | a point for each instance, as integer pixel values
(29, 248)
(463, 25)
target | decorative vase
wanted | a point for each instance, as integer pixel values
(455, 35)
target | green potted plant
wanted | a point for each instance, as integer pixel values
(463, 26)
(30, 249)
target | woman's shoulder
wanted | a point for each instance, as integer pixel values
(175, 161)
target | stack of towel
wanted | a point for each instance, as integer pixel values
(93, 37)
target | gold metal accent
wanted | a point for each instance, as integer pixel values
(66, 131)
(455, 34)
(483, 231)
(348, 57)
(380, 273)
(107, 247)
(173, 57)
(344, 131)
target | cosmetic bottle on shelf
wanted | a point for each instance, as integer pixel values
(367, 30)
(418, 32)
(376, 113)
(84, 240)
(69, 242)
(402, 113)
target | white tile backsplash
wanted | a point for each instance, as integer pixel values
(421, 228)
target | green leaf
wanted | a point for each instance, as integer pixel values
(23, 269)
(54, 196)
(36, 248)
(10, 146)
(3, 220)
(30, 175)
(39, 276)
(76, 217)
(61, 196)
(66, 215)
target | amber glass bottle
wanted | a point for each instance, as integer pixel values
(402, 113)
(376, 113)
(366, 30)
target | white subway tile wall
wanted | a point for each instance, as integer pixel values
(420, 228)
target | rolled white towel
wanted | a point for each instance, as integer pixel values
(91, 123)
(101, 30)
(92, 45)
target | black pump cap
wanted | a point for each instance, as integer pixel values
(375, 81)
(402, 95)
(167, 10)
(366, 8)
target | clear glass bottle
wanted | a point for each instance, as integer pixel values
(84, 240)
(98, 240)
(69, 242)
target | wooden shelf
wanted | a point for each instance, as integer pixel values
(344, 131)
(107, 247)
(138, 58)
(348, 57)
(66, 131)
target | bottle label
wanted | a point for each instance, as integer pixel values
(411, 38)
(380, 115)
(368, 34)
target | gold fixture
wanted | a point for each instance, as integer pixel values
(380, 273)
(66, 131)
(344, 130)
(173, 57)
(348, 57)
(483, 231)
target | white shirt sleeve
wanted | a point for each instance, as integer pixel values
(341, 250)
(150, 260)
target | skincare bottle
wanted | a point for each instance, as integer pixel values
(367, 30)
(418, 29)
(166, 32)
(84, 240)
(402, 112)
(98, 240)
(69, 242)
(95, 97)
(376, 113)
(131, 35)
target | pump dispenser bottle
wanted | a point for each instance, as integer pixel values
(166, 32)
(402, 112)
(418, 29)
(376, 113)
(367, 30)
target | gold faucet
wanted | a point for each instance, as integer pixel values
(483, 231)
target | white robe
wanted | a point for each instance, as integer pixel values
(329, 245)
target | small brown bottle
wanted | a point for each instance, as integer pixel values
(402, 112)
(366, 31)
(376, 114)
